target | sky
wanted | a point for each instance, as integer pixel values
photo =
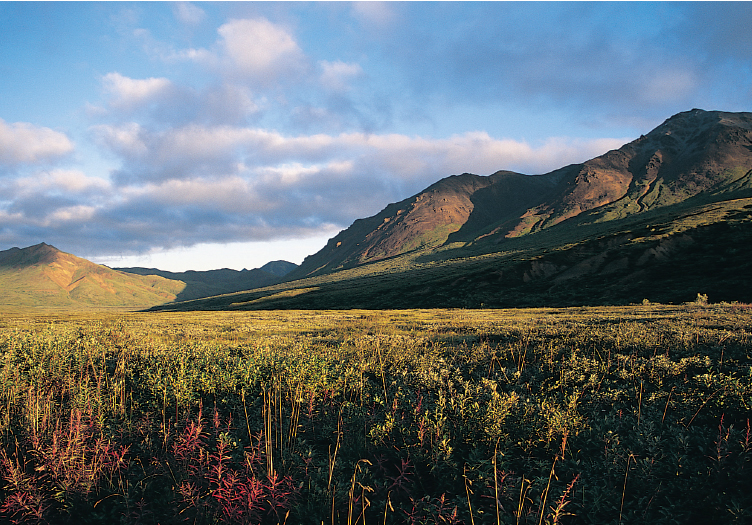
(194, 136)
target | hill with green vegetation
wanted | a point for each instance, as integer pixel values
(42, 275)
(663, 218)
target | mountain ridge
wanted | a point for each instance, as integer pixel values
(691, 153)
(42, 275)
(221, 281)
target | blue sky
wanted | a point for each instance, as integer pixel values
(208, 135)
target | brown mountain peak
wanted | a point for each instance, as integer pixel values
(41, 253)
(692, 153)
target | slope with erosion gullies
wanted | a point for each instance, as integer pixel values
(668, 255)
(696, 153)
(43, 276)
(693, 153)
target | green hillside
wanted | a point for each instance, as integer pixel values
(43, 276)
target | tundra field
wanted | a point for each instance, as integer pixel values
(608, 415)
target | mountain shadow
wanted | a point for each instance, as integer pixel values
(200, 284)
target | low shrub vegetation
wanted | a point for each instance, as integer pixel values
(591, 415)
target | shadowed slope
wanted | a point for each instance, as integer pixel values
(216, 282)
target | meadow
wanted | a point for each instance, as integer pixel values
(604, 415)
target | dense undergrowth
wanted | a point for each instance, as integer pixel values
(600, 415)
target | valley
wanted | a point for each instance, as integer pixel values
(571, 347)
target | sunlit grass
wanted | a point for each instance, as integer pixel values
(586, 415)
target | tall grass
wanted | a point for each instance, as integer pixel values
(619, 415)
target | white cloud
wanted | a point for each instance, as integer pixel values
(292, 174)
(228, 194)
(78, 213)
(68, 181)
(200, 56)
(126, 139)
(129, 93)
(259, 49)
(10, 219)
(188, 13)
(201, 142)
(22, 142)
(226, 103)
(335, 75)
(395, 156)
(427, 159)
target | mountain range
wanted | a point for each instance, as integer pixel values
(216, 282)
(42, 275)
(663, 218)
(696, 153)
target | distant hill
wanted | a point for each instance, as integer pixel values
(279, 268)
(216, 282)
(42, 275)
(665, 217)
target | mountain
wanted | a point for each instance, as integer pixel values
(692, 153)
(662, 218)
(279, 268)
(42, 275)
(217, 282)
(428, 219)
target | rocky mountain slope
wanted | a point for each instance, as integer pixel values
(697, 153)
